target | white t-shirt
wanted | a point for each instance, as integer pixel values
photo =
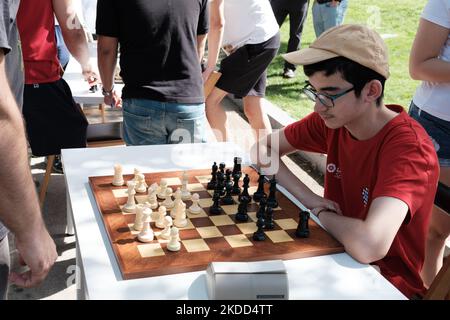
(431, 97)
(248, 22)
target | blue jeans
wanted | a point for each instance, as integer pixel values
(437, 129)
(148, 122)
(63, 52)
(325, 16)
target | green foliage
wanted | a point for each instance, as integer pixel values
(397, 20)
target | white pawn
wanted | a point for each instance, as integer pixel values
(118, 178)
(161, 193)
(136, 173)
(153, 201)
(174, 243)
(195, 208)
(160, 221)
(141, 185)
(185, 194)
(146, 235)
(180, 217)
(168, 202)
(177, 202)
(155, 214)
(131, 204)
(138, 220)
(165, 234)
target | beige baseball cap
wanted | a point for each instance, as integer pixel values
(352, 41)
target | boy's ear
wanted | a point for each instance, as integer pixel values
(372, 90)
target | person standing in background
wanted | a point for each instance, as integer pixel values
(297, 11)
(328, 14)
(430, 106)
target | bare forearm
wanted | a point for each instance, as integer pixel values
(19, 207)
(352, 233)
(201, 43)
(107, 60)
(433, 70)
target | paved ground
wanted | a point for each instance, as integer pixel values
(59, 284)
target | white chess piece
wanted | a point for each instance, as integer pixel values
(165, 234)
(118, 178)
(177, 202)
(174, 243)
(161, 193)
(131, 203)
(146, 235)
(136, 173)
(168, 202)
(141, 185)
(160, 221)
(152, 199)
(138, 220)
(195, 208)
(154, 216)
(185, 194)
(180, 217)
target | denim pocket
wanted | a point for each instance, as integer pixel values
(189, 131)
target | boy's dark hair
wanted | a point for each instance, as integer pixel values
(351, 71)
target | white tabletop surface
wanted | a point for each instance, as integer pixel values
(336, 276)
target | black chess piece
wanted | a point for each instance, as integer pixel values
(236, 189)
(262, 208)
(303, 228)
(269, 219)
(212, 184)
(260, 192)
(245, 189)
(259, 234)
(242, 215)
(93, 88)
(220, 186)
(237, 165)
(272, 199)
(222, 166)
(228, 199)
(216, 208)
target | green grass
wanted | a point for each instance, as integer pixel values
(400, 17)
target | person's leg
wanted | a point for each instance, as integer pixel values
(279, 10)
(341, 10)
(297, 17)
(330, 16)
(143, 122)
(217, 117)
(257, 117)
(185, 123)
(5, 264)
(438, 232)
(317, 18)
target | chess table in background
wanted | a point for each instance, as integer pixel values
(207, 237)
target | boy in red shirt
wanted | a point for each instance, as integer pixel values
(382, 169)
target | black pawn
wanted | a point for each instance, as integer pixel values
(236, 189)
(245, 190)
(272, 199)
(215, 208)
(269, 219)
(259, 194)
(262, 208)
(228, 199)
(212, 184)
(303, 228)
(242, 215)
(220, 186)
(259, 234)
(222, 166)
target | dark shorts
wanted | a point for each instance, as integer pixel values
(244, 71)
(53, 120)
(437, 129)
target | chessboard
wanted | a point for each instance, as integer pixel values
(207, 237)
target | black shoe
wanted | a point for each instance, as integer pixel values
(57, 165)
(288, 73)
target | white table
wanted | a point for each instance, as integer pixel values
(336, 276)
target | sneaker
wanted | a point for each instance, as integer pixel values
(57, 165)
(288, 73)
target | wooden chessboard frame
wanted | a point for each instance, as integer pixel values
(207, 238)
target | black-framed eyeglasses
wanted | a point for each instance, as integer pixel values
(326, 99)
